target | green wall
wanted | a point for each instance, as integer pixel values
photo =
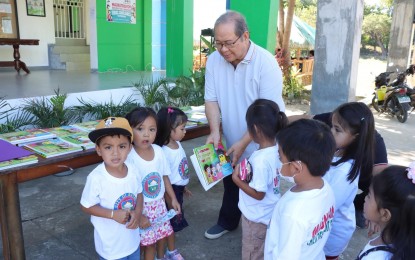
(179, 49)
(262, 19)
(120, 44)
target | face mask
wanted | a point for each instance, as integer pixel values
(288, 178)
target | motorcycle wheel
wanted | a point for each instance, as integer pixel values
(402, 113)
(375, 104)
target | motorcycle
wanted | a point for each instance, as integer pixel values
(401, 80)
(391, 99)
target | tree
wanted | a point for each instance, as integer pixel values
(284, 32)
(378, 25)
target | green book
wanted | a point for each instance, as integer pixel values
(52, 147)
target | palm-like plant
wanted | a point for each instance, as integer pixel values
(49, 112)
(154, 93)
(13, 119)
(94, 110)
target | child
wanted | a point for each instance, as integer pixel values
(112, 193)
(154, 171)
(302, 219)
(171, 130)
(353, 129)
(257, 198)
(391, 205)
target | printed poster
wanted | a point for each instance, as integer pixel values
(121, 11)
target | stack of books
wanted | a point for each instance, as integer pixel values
(52, 147)
(15, 156)
(30, 135)
(73, 135)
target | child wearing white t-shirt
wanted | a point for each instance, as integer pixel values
(154, 171)
(302, 219)
(259, 194)
(171, 125)
(112, 193)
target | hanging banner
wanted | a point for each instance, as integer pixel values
(121, 11)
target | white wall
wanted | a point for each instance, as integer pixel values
(32, 27)
(92, 36)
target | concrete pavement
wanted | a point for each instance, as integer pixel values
(55, 228)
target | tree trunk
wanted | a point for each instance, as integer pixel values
(286, 37)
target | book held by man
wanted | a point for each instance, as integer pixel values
(211, 165)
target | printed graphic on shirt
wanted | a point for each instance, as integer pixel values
(152, 185)
(323, 227)
(184, 169)
(276, 187)
(125, 201)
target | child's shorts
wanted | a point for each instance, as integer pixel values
(179, 222)
(154, 210)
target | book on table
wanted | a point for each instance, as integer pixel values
(86, 126)
(21, 161)
(52, 147)
(211, 165)
(25, 136)
(73, 135)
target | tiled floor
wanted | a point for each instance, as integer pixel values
(15, 85)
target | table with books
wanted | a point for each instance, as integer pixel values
(43, 156)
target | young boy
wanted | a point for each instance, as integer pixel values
(112, 193)
(301, 221)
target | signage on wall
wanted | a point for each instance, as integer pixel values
(121, 11)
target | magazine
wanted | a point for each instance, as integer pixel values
(64, 130)
(73, 135)
(211, 165)
(52, 147)
(86, 126)
(25, 136)
(25, 160)
(10, 151)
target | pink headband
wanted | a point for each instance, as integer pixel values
(170, 110)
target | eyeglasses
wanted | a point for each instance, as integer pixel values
(228, 45)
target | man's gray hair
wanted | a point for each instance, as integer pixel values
(233, 17)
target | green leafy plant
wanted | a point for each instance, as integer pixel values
(188, 91)
(292, 87)
(94, 110)
(154, 93)
(49, 112)
(211, 46)
(12, 119)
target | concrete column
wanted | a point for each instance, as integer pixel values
(400, 36)
(179, 49)
(262, 18)
(337, 50)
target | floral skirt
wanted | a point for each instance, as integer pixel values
(155, 210)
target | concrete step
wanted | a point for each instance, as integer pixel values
(79, 65)
(70, 49)
(70, 42)
(75, 57)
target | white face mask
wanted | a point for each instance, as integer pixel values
(287, 178)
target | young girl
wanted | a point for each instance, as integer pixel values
(353, 130)
(258, 198)
(154, 171)
(391, 205)
(171, 130)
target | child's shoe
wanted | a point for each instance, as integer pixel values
(174, 255)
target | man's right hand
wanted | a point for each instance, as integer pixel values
(213, 138)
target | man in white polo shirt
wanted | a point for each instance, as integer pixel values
(237, 74)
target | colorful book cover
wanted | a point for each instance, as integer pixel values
(79, 139)
(64, 130)
(211, 165)
(10, 151)
(25, 160)
(52, 147)
(26, 136)
(86, 126)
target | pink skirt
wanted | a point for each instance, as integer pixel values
(154, 210)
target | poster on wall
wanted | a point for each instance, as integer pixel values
(121, 11)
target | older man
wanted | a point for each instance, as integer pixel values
(238, 73)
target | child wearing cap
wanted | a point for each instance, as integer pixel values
(113, 193)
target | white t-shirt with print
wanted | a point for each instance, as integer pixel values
(344, 222)
(375, 255)
(264, 164)
(151, 173)
(300, 225)
(178, 165)
(112, 239)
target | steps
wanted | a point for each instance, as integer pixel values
(69, 55)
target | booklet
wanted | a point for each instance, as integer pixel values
(26, 136)
(25, 160)
(10, 151)
(73, 135)
(211, 165)
(52, 147)
(86, 126)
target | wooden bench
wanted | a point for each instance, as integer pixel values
(17, 63)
